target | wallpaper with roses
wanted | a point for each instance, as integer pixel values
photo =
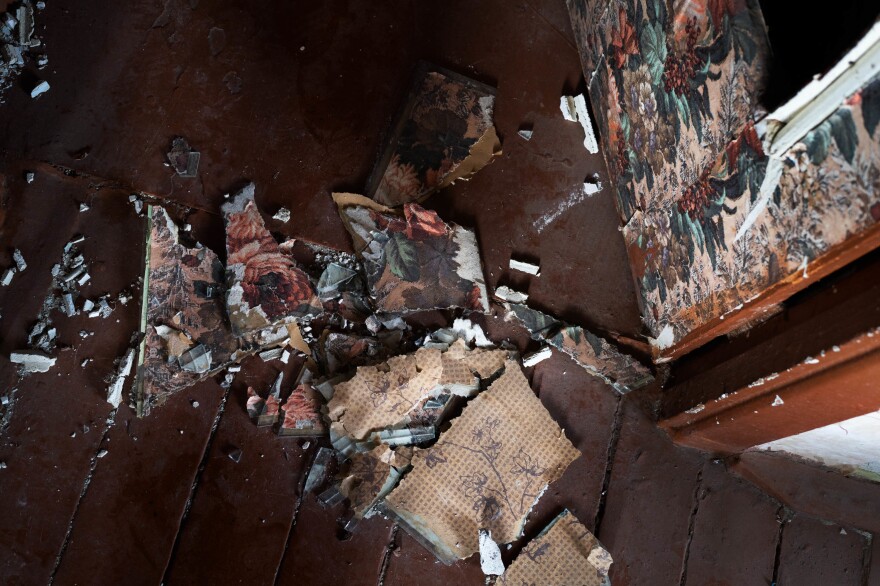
(675, 86)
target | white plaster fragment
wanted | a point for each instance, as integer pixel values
(490, 555)
(525, 134)
(525, 267)
(282, 215)
(20, 263)
(505, 293)
(41, 88)
(536, 357)
(665, 339)
(777, 402)
(7, 276)
(471, 332)
(574, 109)
(114, 391)
(32, 361)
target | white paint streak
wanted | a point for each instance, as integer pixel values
(574, 198)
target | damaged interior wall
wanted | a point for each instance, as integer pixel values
(712, 222)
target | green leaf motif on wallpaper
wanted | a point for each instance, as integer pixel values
(840, 127)
(653, 45)
(403, 258)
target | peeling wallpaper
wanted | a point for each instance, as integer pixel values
(675, 86)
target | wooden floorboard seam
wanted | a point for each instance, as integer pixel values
(192, 491)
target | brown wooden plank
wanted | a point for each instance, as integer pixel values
(836, 385)
(241, 512)
(735, 533)
(650, 500)
(322, 553)
(127, 521)
(59, 417)
(815, 552)
(806, 487)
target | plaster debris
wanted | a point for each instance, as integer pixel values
(17, 42)
(424, 155)
(282, 215)
(40, 88)
(395, 394)
(137, 203)
(102, 453)
(318, 470)
(29, 177)
(102, 309)
(20, 263)
(525, 134)
(3, 465)
(696, 409)
(183, 159)
(536, 357)
(270, 355)
(114, 391)
(777, 402)
(8, 274)
(574, 109)
(525, 267)
(30, 361)
(564, 553)
(487, 470)
(505, 293)
(490, 555)
(596, 355)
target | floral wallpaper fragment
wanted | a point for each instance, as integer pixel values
(593, 353)
(485, 472)
(301, 413)
(265, 287)
(444, 133)
(564, 554)
(414, 261)
(676, 86)
(184, 317)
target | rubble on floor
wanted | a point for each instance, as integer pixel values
(444, 133)
(564, 553)
(186, 334)
(265, 287)
(17, 44)
(31, 361)
(414, 261)
(574, 109)
(409, 390)
(486, 471)
(596, 355)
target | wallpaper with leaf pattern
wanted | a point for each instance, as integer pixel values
(675, 86)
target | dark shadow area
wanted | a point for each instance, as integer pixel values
(808, 41)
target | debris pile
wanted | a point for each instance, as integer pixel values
(17, 44)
